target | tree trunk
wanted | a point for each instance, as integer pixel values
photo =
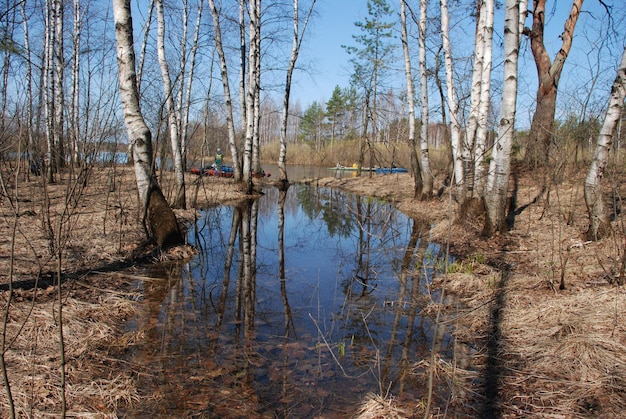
(158, 218)
(75, 97)
(180, 94)
(548, 73)
(480, 142)
(49, 94)
(59, 96)
(500, 167)
(599, 223)
(455, 126)
(230, 124)
(478, 76)
(186, 104)
(29, 87)
(252, 93)
(179, 175)
(415, 161)
(144, 45)
(427, 176)
(243, 72)
(295, 50)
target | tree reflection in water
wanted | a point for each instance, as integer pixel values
(298, 304)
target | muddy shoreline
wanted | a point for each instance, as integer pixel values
(539, 350)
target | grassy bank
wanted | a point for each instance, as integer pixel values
(347, 153)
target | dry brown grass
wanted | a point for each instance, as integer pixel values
(100, 232)
(346, 152)
(375, 406)
(94, 386)
(561, 353)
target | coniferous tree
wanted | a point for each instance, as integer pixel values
(370, 60)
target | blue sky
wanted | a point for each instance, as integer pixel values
(333, 26)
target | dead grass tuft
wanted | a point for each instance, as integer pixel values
(567, 354)
(375, 406)
(93, 387)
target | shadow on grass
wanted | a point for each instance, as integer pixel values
(493, 369)
(513, 210)
(48, 279)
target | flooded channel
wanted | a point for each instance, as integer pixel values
(298, 305)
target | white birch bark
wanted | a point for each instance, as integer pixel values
(144, 45)
(182, 69)
(500, 166)
(472, 121)
(252, 91)
(523, 12)
(48, 89)
(29, 80)
(599, 223)
(142, 54)
(75, 103)
(295, 50)
(139, 134)
(427, 176)
(282, 155)
(172, 114)
(157, 217)
(230, 124)
(186, 105)
(455, 126)
(59, 91)
(243, 65)
(480, 141)
(256, 138)
(408, 73)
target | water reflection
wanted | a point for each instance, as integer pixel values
(298, 304)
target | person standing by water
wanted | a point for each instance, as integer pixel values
(218, 158)
(218, 161)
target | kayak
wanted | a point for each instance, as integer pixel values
(351, 168)
(392, 170)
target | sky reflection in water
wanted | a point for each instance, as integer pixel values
(343, 321)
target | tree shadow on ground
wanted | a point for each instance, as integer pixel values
(513, 210)
(493, 368)
(143, 256)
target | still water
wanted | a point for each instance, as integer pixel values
(298, 304)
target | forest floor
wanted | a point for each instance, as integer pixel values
(539, 349)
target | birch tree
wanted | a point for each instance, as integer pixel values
(599, 223)
(252, 91)
(482, 112)
(53, 85)
(416, 167)
(173, 123)
(230, 122)
(452, 101)
(75, 104)
(295, 50)
(500, 166)
(157, 217)
(549, 74)
(185, 105)
(474, 147)
(427, 176)
(59, 83)
(144, 44)
(243, 52)
(29, 79)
